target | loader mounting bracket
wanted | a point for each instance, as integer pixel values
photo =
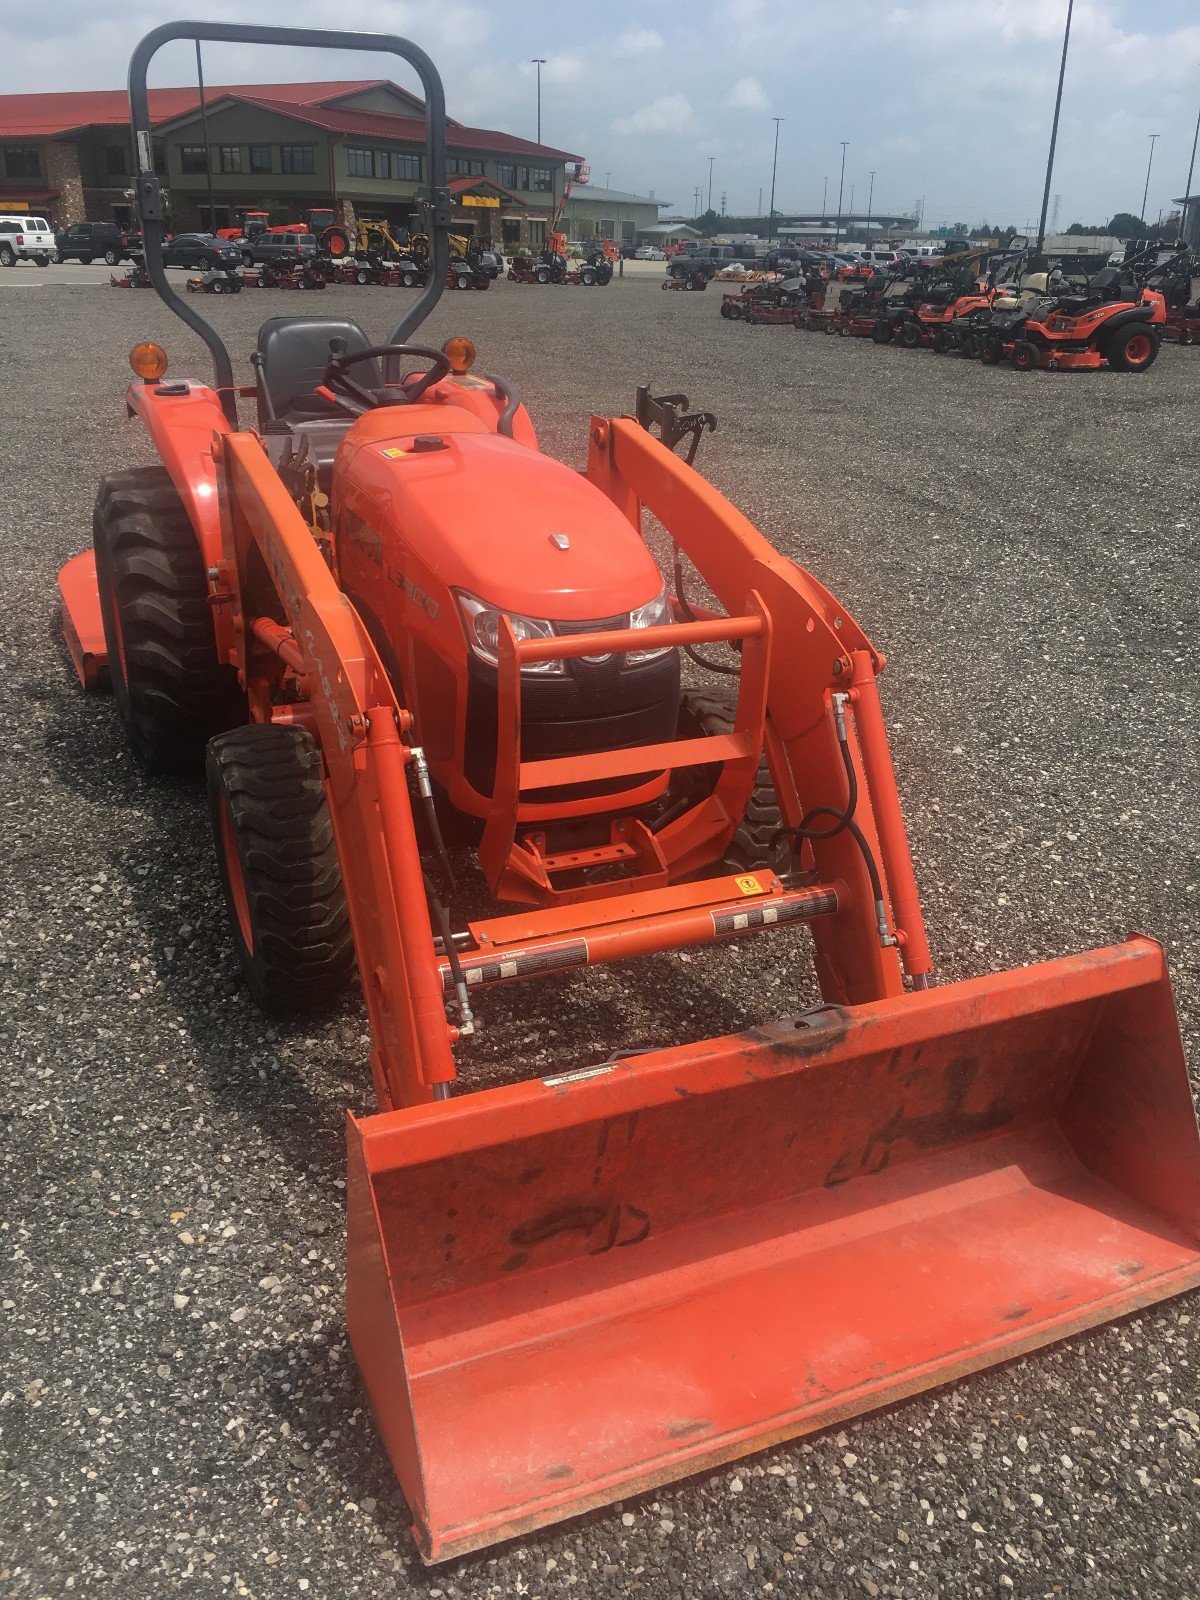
(670, 415)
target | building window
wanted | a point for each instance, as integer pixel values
(542, 179)
(407, 167)
(522, 178)
(383, 164)
(507, 176)
(191, 158)
(260, 158)
(361, 163)
(462, 167)
(22, 164)
(160, 160)
(608, 229)
(116, 161)
(297, 158)
(537, 233)
(229, 157)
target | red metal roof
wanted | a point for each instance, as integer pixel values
(379, 125)
(32, 116)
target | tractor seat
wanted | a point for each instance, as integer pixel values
(293, 353)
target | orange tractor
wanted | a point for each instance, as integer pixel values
(576, 1286)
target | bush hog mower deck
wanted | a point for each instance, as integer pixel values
(573, 1288)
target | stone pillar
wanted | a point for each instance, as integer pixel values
(60, 160)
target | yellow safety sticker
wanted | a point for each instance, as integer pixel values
(392, 452)
(750, 886)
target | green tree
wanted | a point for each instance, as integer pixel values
(1126, 226)
(708, 222)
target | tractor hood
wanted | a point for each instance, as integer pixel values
(494, 517)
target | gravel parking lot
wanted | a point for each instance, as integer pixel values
(179, 1404)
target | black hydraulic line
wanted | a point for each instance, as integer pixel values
(682, 601)
(441, 918)
(843, 823)
(439, 844)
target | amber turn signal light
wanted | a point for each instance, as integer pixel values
(148, 360)
(460, 353)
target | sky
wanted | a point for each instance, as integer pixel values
(948, 102)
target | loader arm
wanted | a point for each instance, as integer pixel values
(819, 651)
(346, 700)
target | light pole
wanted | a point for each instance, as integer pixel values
(837, 232)
(1153, 137)
(711, 159)
(539, 62)
(774, 165)
(1183, 219)
(870, 198)
(1062, 72)
(824, 197)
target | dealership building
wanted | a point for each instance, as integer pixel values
(280, 148)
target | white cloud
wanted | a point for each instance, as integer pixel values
(638, 42)
(670, 112)
(564, 69)
(748, 94)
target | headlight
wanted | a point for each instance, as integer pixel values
(652, 615)
(483, 633)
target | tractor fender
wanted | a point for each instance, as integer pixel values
(181, 428)
(1121, 319)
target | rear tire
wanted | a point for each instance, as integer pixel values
(715, 712)
(111, 258)
(172, 692)
(881, 333)
(1133, 348)
(8, 256)
(279, 866)
(542, 275)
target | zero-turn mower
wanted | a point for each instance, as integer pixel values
(578, 1286)
(776, 300)
(1114, 322)
(1178, 281)
(942, 314)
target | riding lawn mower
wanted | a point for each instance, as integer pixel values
(1113, 322)
(571, 1288)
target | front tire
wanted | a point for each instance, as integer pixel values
(172, 693)
(704, 714)
(279, 866)
(543, 275)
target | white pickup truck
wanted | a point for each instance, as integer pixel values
(25, 239)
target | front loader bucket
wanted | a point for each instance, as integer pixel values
(574, 1289)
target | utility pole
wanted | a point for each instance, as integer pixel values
(722, 202)
(837, 233)
(760, 197)
(539, 62)
(711, 159)
(1062, 72)
(824, 197)
(1153, 137)
(1183, 219)
(774, 165)
(212, 206)
(870, 199)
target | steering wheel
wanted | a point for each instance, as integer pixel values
(360, 399)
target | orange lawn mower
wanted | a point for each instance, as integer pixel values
(939, 318)
(1113, 323)
(642, 1264)
(854, 313)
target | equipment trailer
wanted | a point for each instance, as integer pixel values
(573, 1288)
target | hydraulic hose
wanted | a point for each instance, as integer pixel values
(843, 823)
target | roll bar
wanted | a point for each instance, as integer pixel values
(434, 195)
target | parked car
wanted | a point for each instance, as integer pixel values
(84, 241)
(649, 252)
(277, 247)
(200, 250)
(25, 239)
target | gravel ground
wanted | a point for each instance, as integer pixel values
(179, 1402)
